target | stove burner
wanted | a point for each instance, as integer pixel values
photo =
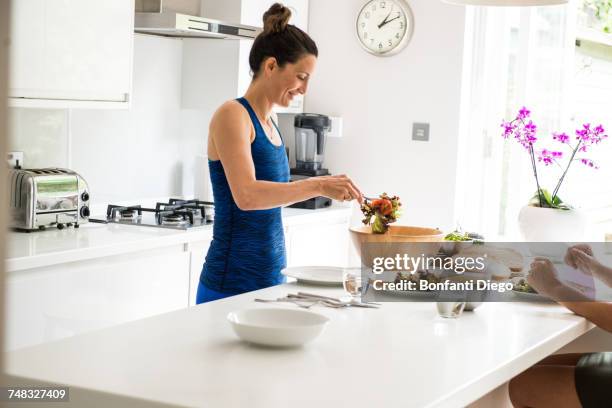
(197, 213)
(128, 214)
(173, 219)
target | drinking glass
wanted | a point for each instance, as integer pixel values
(351, 280)
(451, 303)
(450, 310)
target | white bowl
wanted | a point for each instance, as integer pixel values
(277, 327)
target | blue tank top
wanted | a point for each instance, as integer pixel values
(248, 247)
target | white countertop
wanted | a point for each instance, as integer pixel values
(402, 355)
(44, 248)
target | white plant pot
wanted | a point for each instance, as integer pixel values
(542, 226)
(550, 225)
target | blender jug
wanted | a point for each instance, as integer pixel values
(310, 137)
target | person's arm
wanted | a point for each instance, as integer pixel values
(544, 279)
(230, 130)
(581, 257)
(599, 313)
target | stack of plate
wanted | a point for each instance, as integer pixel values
(318, 275)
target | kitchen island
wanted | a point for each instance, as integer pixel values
(401, 355)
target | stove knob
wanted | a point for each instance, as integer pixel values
(60, 226)
(85, 196)
(85, 212)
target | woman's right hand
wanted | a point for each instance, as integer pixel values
(340, 188)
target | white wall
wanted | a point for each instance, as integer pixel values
(379, 98)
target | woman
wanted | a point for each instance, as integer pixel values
(249, 170)
(569, 380)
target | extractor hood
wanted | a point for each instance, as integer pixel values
(152, 18)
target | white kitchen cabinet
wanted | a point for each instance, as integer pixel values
(215, 71)
(324, 243)
(197, 255)
(58, 301)
(71, 53)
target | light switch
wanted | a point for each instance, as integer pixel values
(336, 127)
(420, 132)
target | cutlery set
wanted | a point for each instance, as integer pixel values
(308, 300)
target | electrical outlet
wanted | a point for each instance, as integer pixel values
(420, 132)
(12, 157)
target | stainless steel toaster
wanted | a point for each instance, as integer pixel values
(44, 198)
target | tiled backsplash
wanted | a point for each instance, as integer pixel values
(42, 134)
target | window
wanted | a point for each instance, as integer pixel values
(545, 58)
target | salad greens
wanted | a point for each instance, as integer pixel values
(384, 211)
(459, 236)
(523, 286)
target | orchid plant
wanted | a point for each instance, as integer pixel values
(523, 130)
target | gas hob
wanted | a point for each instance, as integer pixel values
(175, 214)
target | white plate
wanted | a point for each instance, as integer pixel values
(278, 327)
(531, 297)
(317, 275)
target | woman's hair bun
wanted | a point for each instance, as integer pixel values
(276, 19)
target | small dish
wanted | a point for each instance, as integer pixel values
(451, 248)
(278, 327)
(471, 306)
(531, 297)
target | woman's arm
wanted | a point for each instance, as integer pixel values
(230, 131)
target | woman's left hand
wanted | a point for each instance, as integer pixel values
(543, 277)
(585, 261)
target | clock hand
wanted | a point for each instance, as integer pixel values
(385, 20)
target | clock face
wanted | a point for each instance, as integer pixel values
(384, 27)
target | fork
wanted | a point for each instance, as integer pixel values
(304, 295)
(296, 302)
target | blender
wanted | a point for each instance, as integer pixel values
(310, 137)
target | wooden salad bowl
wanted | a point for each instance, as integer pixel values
(421, 240)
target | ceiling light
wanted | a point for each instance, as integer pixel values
(506, 3)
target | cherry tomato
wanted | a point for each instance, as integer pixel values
(383, 205)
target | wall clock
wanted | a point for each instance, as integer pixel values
(384, 27)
